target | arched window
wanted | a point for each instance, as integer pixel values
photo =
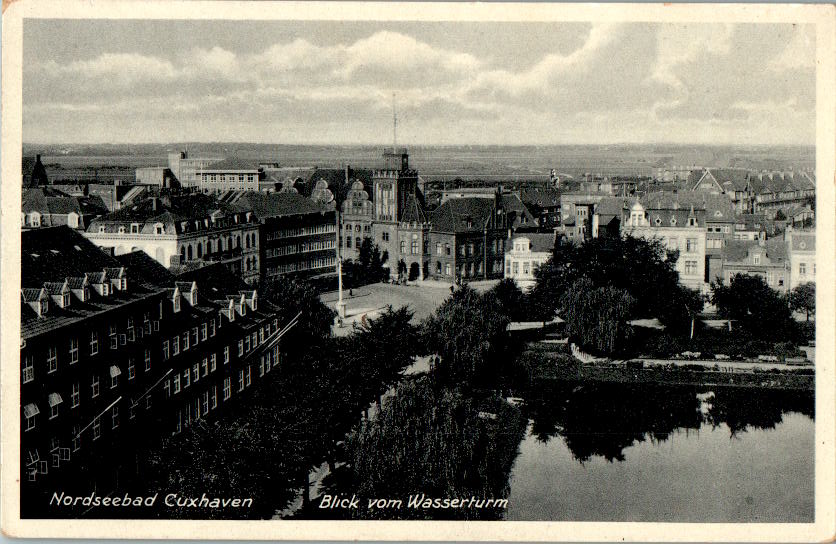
(182, 253)
(189, 253)
(199, 250)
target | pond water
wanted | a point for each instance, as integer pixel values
(612, 452)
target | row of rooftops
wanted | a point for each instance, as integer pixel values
(66, 278)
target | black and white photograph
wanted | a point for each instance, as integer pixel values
(397, 263)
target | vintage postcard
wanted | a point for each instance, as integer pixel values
(418, 271)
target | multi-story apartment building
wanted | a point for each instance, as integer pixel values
(228, 175)
(184, 230)
(297, 236)
(467, 239)
(110, 345)
(801, 248)
(46, 206)
(767, 259)
(782, 190)
(525, 254)
(185, 169)
(678, 229)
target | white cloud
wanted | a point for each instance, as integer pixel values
(800, 52)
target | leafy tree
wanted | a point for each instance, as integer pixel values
(596, 317)
(292, 297)
(780, 215)
(757, 308)
(511, 299)
(644, 268)
(433, 441)
(469, 331)
(803, 299)
(369, 267)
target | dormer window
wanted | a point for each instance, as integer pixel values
(692, 222)
(43, 307)
(101, 229)
(121, 230)
(175, 300)
(159, 229)
(756, 258)
(65, 300)
(673, 221)
(658, 221)
(35, 219)
(134, 228)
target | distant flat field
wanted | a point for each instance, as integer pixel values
(436, 162)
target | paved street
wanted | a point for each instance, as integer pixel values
(422, 297)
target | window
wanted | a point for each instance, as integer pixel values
(691, 245)
(205, 402)
(415, 247)
(28, 369)
(176, 383)
(147, 360)
(690, 267)
(226, 355)
(176, 304)
(756, 258)
(204, 332)
(462, 250)
(30, 411)
(52, 359)
(97, 428)
(214, 397)
(403, 246)
(205, 366)
(212, 328)
(195, 372)
(131, 369)
(802, 268)
(54, 401)
(241, 380)
(227, 388)
(175, 345)
(114, 415)
(241, 347)
(73, 350)
(134, 228)
(95, 386)
(447, 269)
(165, 350)
(187, 378)
(438, 248)
(186, 341)
(75, 398)
(249, 375)
(255, 339)
(447, 249)
(114, 376)
(470, 249)
(213, 362)
(194, 336)
(94, 343)
(385, 236)
(76, 437)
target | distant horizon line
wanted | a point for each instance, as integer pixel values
(405, 145)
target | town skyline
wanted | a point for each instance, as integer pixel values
(326, 83)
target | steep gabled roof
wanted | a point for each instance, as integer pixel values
(414, 212)
(266, 205)
(461, 215)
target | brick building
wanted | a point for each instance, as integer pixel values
(117, 349)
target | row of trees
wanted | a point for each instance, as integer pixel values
(265, 445)
(445, 434)
(601, 284)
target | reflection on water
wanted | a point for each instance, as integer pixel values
(644, 453)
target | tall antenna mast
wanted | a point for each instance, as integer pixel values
(394, 123)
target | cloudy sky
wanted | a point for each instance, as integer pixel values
(455, 83)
